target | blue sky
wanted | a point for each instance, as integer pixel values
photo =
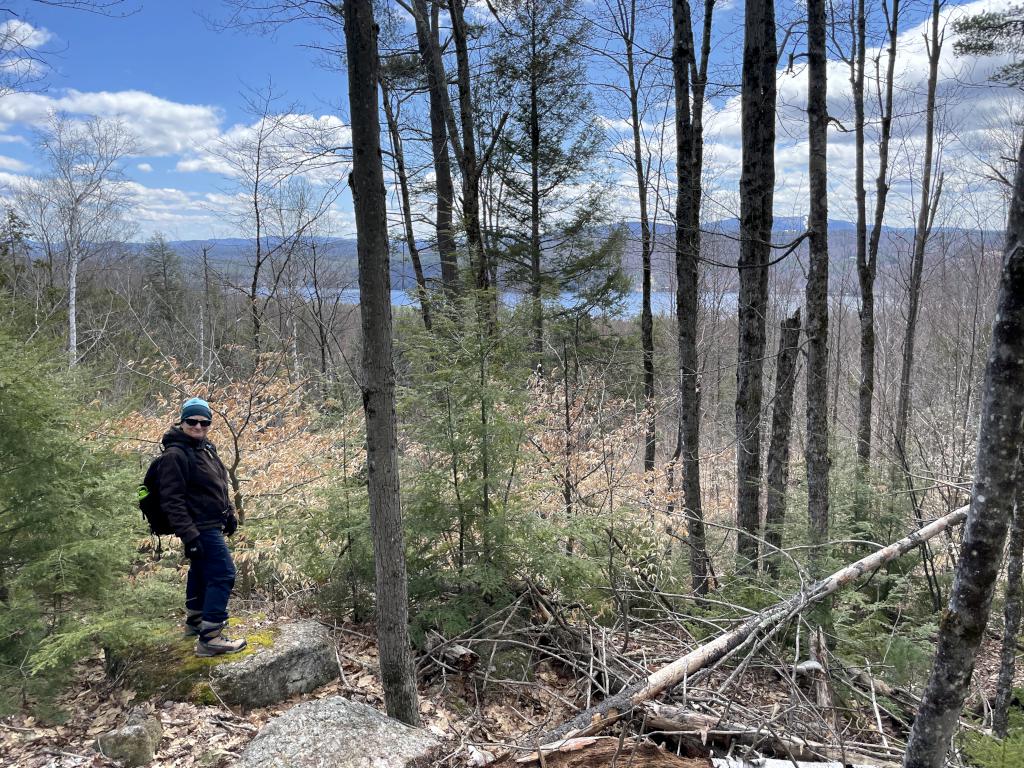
(170, 74)
(168, 48)
(179, 85)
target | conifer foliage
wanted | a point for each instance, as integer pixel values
(65, 522)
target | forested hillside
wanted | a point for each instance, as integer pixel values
(631, 377)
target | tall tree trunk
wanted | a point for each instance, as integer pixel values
(254, 285)
(992, 502)
(370, 202)
(430, 53)
(925, 216)
(322, 330)
(867, 259)
(1011, 616)
(687, 255)
(817, 290)
(757, 187)
(206, 317)
(778, 449)
(646, 245)
(537, 309)
(700, 83)
(867, 264)
(468, 157)
(398, 152)
(865, 391)
(74, 259)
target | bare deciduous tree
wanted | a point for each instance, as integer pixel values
(929, 200)
(428, 41)
(867, 249)
(633, 54)
(392, 106)
(688, 175)
(81, 196)
(262, 165)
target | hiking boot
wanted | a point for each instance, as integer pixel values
(193, 621)
(212, 642)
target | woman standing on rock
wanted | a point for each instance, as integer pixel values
(194, 496)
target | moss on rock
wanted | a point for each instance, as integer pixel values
(169, 667)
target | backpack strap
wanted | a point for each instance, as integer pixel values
(190, 458)
(190, 464)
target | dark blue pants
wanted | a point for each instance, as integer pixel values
(211, 578)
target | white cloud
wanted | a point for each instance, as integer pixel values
(21, 60)
(163, 127)
(182, 215)
(11, 164)
(16, 35)
(176, 213)
(311, 145)
(145, 167)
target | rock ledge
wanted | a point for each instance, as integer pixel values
(338, 733)
(301, 659)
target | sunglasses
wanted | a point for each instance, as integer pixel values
(197, 422)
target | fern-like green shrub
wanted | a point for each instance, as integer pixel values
(989, 752)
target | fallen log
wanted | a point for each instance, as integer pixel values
(611, 709)
(669, 719)
(453, 655)
(736, 762)
(606, 752)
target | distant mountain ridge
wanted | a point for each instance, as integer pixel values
(341, 251)
(781, 224)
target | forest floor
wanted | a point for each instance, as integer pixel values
(452, 708)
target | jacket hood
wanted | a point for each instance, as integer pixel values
(175, 436)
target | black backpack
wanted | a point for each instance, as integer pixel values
(149, 493)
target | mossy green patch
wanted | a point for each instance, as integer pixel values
(263, 639)
(170, 668)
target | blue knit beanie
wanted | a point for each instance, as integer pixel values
(195, 407)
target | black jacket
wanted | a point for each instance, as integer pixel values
(193, 497)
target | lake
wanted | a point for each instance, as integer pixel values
(662, 302)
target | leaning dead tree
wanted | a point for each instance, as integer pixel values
(750, 633)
